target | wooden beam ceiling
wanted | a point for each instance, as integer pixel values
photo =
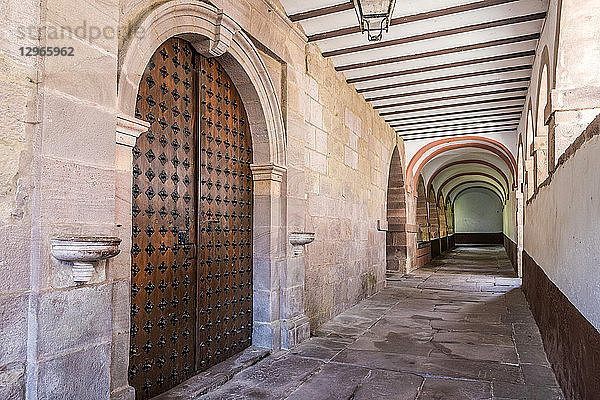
(446, 78)
(514, 106)
(445, 127)
(437, 34)
(500, 57)
(442, 70)
(458, 49)
(455, 97)
(319, 12)
(406, 139)
(515, 114)
(462, 129)
(447, 89)
(413, 18)
(469, 103)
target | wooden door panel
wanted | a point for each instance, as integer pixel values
(164, 205)
(225, 220)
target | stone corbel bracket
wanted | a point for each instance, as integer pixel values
(224, 31)
(299, 240)
(82, 252)
(129, 129)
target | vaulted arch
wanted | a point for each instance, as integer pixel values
(489, 148)
(468, 174)
(473, 184)
(541, 128)
(449, 216)
(484, 163)
(437, 147)
(422, 215)
(396, 215)
(434, 222)
(476, 187)
(529, 177)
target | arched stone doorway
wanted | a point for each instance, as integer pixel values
(450, 222)
(423, 244)
(396, 216)
(434, 223)
(441, 211)
(280, 324)
(191, 275)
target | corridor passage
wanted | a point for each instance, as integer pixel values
(459, 328)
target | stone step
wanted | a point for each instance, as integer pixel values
(216, 376)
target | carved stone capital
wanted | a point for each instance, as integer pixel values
(129, 129)
(267, 172)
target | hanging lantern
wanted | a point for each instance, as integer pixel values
(374, 16)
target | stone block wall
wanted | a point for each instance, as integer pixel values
(57, 177)
(66, 173)
(19, 94)
(348, 151)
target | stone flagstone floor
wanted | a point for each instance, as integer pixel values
(457, 329)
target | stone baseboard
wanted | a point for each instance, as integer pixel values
(294, 331)
(479, 238)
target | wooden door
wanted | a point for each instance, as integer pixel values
(225, 222)
(163, 271)
(191, 271)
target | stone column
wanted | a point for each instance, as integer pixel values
(268, 254)
(128, 130)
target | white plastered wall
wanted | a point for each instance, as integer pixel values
(560, 228)
(562, 233)
(477, 211)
